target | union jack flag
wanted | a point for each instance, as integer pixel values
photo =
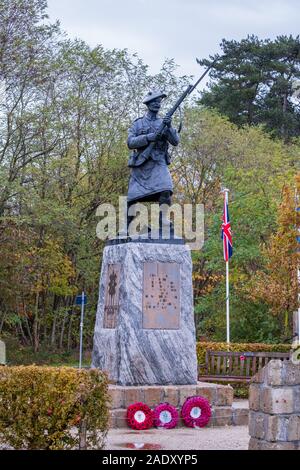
(226, 232)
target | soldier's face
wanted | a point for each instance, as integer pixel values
(155, 105)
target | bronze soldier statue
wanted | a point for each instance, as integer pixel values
(149, 138)
(150, 178)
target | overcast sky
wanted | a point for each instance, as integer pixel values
(179, 29)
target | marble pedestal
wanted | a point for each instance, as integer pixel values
(145, 331)
(2, 353)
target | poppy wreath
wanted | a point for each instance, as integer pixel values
(139, 416)
(196, 412)
(165, 416)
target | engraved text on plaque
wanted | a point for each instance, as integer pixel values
(161, 296)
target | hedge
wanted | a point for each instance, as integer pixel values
(53, 407)
(237, 347)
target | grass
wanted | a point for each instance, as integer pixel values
(17, 354)
(240, 389)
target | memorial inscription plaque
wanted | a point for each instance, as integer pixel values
(111, 305)
(161, 296)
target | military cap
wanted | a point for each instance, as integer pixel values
(151, 95)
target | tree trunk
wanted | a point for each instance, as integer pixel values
(28, 330)
(53, 333)
(35, 324)
(2, 321)
(55, 315)
(70, 333)
(62, 331)
(44, 336)
(284, 110)
(25, 340)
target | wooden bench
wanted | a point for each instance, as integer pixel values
(236, 366)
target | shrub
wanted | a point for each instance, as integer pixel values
(53, 407)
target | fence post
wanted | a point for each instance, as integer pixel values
(82, 435)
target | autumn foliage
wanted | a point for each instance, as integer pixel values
(65, 108)
(52, 408)
(277, 284)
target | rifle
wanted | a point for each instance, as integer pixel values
(145, 155)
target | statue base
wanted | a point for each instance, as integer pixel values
(2, 353)
(223, 411)
(145, 331)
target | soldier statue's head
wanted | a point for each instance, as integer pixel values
(153, 100)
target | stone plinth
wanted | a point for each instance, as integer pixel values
(220, 398)
(2, 353)
(145, 331)
(274, 403)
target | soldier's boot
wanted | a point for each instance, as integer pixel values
(123, 232)
(166, 227)
(144, 231)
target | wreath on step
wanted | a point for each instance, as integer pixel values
(165, 416)
(196, 412)
(139, 416)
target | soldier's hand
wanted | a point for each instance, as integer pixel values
(151, 137)
(167, 121)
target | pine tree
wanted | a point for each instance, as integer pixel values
(253, 83)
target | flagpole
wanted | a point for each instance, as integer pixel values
(297, 203)
(227, 304)
(226, 191)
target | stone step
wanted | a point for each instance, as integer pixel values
(225, 411)
(221, 416)
(216, 394)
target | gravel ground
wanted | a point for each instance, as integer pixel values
(217, 438)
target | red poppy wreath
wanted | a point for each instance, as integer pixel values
(139, 416)
(196, 412)
(165, 416)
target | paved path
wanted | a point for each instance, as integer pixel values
(221, 438)
(218, 438)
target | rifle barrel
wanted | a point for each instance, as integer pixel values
(202, 76)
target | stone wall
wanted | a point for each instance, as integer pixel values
(220, 398)
(274, 407)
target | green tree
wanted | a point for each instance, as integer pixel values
(252, 83)
(216, 153)
(64, 115)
